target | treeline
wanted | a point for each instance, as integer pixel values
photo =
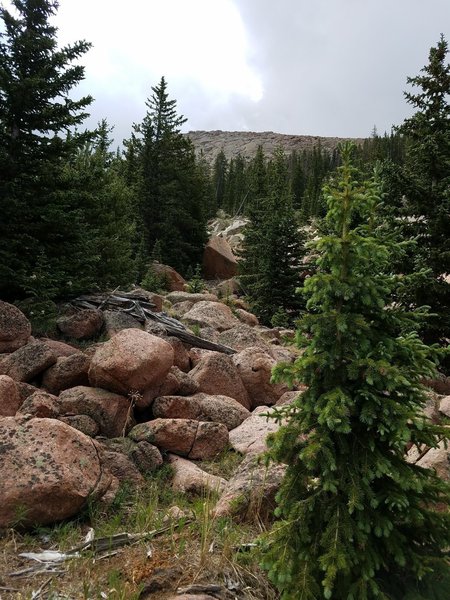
(78, 216)
(236, 182)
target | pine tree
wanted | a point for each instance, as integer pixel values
(97, 182)
(41, 227)
(220, 171)
(421, 192)
(257, 179)
(356, 519)
(272, 250)
(169, 185)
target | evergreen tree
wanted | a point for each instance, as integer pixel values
(96, 181)
(236, 189)
(257, 179)
(42, 228)
(272, 249)
(356, 520)
(220, 171)
(298, 181)
(169, 185)
(421, 191)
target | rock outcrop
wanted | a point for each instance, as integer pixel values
(246, 143)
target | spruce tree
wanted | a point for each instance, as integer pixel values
(42, 233)
(219, 177)
(355, 519)
(420, 191)
(257, 179)
(169, 185)
(272, 249)
(96, 180)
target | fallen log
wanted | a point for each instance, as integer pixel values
(140, 308)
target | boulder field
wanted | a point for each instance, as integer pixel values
(75, 423)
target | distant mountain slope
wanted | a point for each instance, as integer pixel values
(246, 142)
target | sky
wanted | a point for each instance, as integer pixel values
(306, 67)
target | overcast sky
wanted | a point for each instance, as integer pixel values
(315, 67)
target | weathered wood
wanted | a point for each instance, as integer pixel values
(141, 309)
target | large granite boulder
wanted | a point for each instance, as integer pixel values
(111, 412)
(202, 407)
(198, 440)
(216, 315)
(81, 325)
(216, 374)
(250, 437)
(250, 494)
(188, 477)
(219, 261)
(131, 361)
(48, 471)
(67, 372)
(255, 368)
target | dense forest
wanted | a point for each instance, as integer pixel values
(351, 246)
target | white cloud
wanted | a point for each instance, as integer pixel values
(197, 41)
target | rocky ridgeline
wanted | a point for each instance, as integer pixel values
(246, 143)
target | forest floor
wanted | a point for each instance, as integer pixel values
(194, 552)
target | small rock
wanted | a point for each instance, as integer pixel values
(28, 361)
(10, 399)
(250, 437)
(15, 328)
(190, 478)
(175, 513)
(82, 325)
(250, 493)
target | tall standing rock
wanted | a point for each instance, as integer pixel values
(132, 360)
(219, 261)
